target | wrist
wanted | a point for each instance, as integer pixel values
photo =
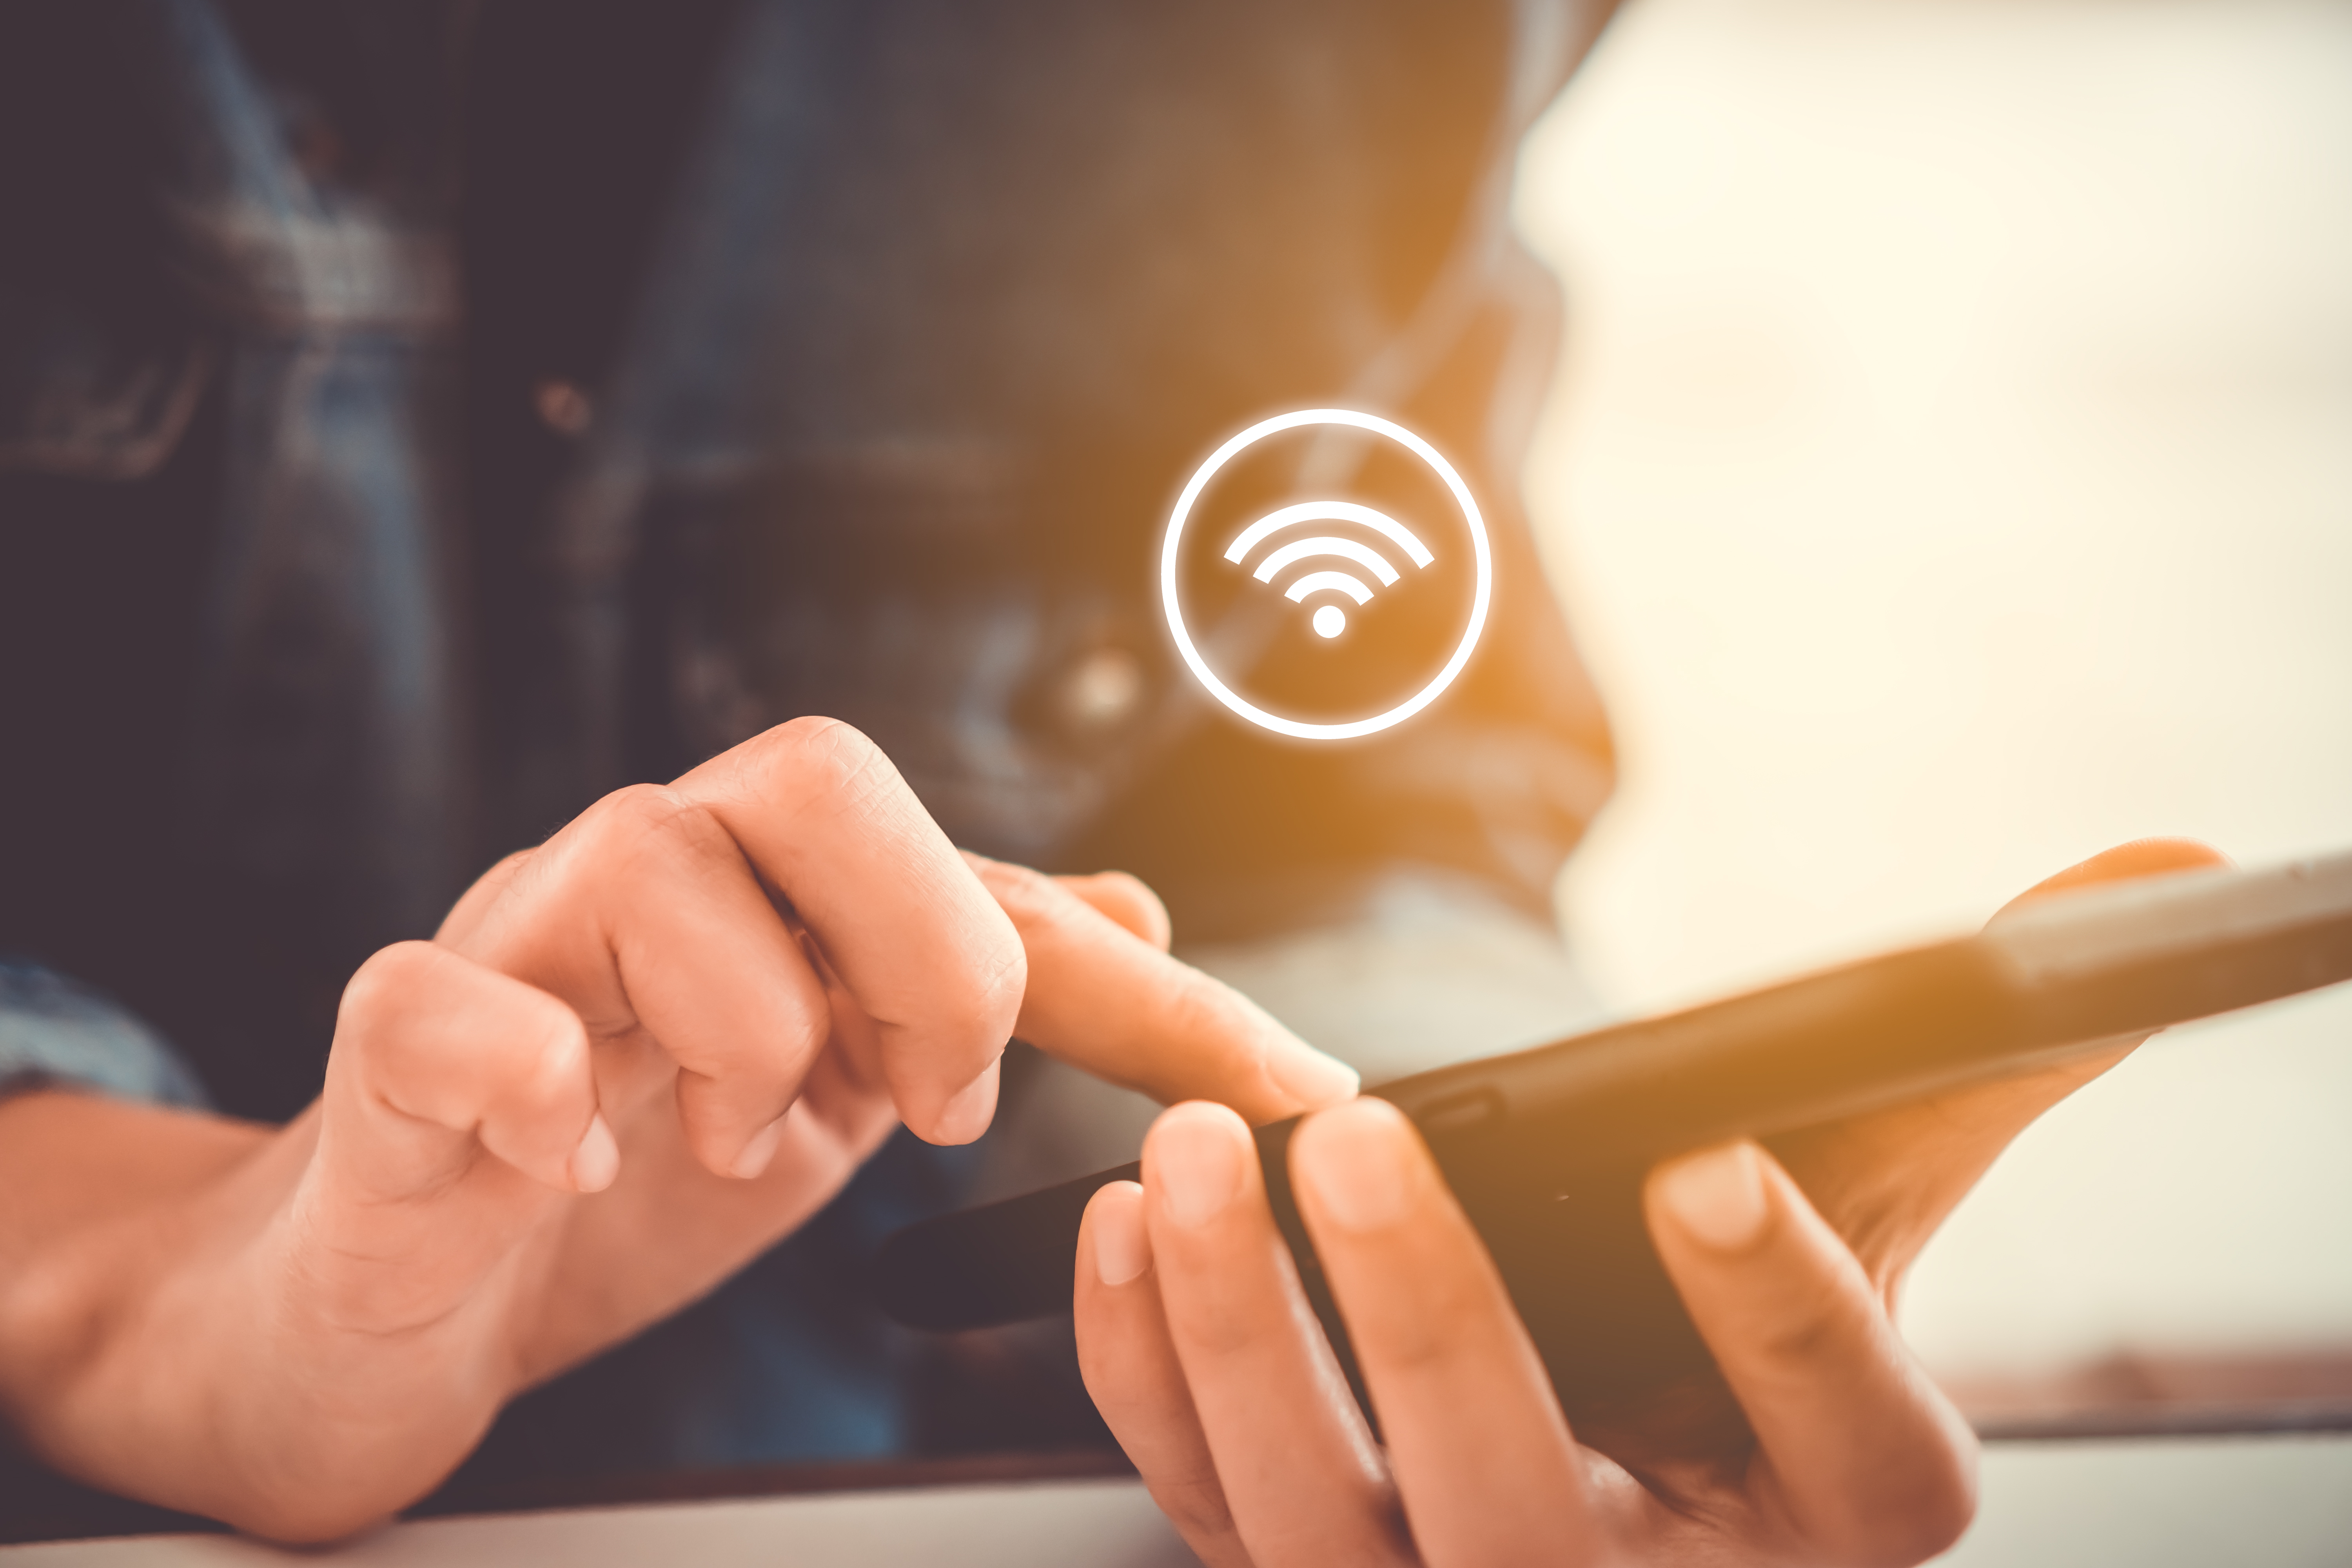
(161, 1334)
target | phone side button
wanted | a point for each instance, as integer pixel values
(1470, 1108)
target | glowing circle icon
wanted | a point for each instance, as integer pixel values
(1342, 574)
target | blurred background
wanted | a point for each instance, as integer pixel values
(1950, 475)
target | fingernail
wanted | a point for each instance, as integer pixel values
(759, 1151)
(1196, 1154)
(1717, 1194)
(1309, 1077)
(1122, 1249)
(969, 1110)
(1360, 1164)
(597, 1160)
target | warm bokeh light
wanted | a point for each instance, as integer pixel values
(1952, 475)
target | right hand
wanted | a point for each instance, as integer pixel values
(631, 1059)
(1813, 1438)
(1206, 1360)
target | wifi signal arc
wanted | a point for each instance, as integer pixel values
(1328, 623)
(1323, 545)
(1379, 523)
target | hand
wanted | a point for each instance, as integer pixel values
(631, 1059)
(1819, 1441)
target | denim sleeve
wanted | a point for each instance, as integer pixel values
(54, 1031)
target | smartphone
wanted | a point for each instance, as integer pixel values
(1546, 1148)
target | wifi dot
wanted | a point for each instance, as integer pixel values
(1331, 621)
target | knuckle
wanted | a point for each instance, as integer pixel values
(1149, 910)
(508, 866)
(838, 761)
(1934, 1511)
(1028, 896)
(650, 823)
(1195, 1503)
(1221, 1332)
(502, 873)
(820, 763)
(1949, 1519)
(386, 986)
(832, 744)
(296, 1511)
(417, 1014)
(637, 811)
(57, 1310)
(1429, 1325)
(387, 1044)
(1913, 1531)
(1023, 906)
(1822, 1317)
(1004, 986)
(1199, 1007)
(1802, 1340)
(1929, 1536)
(554, 1057)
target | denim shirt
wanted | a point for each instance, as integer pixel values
(54, 1031)
(417, 419)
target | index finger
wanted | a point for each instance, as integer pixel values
(1106, 999)
(826, 821)
(1482, 1453)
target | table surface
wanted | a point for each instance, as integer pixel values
(1019, 1524)
(2277, 1501)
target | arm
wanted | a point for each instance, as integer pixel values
(631, 1059)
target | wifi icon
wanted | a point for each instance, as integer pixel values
(1330, 574)
(1329, 620)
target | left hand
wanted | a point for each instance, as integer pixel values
(1819, 1440)
(631, 1059)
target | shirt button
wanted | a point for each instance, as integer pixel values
(1102, 690)
(562, 406)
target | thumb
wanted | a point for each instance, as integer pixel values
(1886, 1180)
(460, 1105)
